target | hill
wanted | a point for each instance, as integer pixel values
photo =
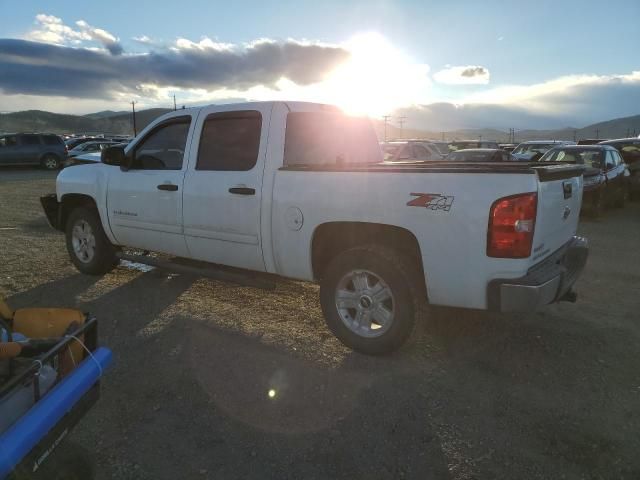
(101, 122)
(106, 114)
(121, 123)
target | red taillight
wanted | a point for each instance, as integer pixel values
(512, 221)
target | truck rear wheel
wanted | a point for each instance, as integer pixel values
(89, 248)
(368, 296)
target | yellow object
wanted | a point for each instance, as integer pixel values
(47, 323)
(5, 312)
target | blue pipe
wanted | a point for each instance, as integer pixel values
(25, 434)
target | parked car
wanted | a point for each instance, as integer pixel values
(295, 190)
(605, 183)
(507, 147)
(467, 144)
(410, 151)
(89, 147)
(591, 141)
(90, 157)
(481, 155)
(532, 151)
(629, 148)
(442, 146)
(45, 150)
(73, 142)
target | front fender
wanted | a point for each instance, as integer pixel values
(90, 181)
(52, 210)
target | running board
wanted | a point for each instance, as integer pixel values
(244, 279)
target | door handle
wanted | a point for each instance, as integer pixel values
(169, 187)
(242, 190)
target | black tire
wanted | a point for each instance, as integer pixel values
(401, 277)
(103, 258)
(50, 162)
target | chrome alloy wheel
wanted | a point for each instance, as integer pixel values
(83, 241)
(365, 303)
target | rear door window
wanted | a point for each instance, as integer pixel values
(230, 141)
(29, 140)
(51, 140)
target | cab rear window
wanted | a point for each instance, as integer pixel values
(322, 138)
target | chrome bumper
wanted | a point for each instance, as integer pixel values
(549, 281)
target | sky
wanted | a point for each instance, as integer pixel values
(442, 64)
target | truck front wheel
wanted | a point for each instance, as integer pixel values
(368, 296)
(89, 248)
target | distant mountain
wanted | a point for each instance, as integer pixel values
(112, 122)
(616, 128)
(105, 114)
(120, 123)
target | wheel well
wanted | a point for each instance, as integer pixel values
(70, 202)
(330, 239)
(49, 154)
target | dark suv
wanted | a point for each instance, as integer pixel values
(604, 177)
(629, 148)
(45, 150)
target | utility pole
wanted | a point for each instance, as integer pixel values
(133, 107)
(174, 102)
(575, 133)
(401, 121)
(386, 120)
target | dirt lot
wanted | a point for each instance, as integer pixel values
(553, 394)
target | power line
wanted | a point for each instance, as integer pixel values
(133, 108)
(401, 121)
(386, 120)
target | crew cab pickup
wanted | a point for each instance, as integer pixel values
(301, 190)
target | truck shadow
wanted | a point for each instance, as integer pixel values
(248, 384)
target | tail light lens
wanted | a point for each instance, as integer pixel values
(512, 221)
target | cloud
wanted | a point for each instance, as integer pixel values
(99, 35)
(464, 75)
(50, 29)
(574, 101)
(43, 69)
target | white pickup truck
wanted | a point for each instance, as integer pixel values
(300, 190)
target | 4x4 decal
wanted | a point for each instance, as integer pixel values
(432, 201)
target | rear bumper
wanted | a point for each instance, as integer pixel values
(547, 282)
(52, 210)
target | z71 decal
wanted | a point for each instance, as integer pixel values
(432, 201)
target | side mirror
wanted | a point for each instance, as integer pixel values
(113, 156)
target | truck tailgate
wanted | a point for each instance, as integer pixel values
(559, 202)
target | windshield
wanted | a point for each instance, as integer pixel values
(391, 151)
(471, 156)
(533, 147)
(443, 148)
(588, 157)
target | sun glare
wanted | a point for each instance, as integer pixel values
(377, 78)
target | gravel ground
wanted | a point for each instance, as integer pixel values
(552, 394)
